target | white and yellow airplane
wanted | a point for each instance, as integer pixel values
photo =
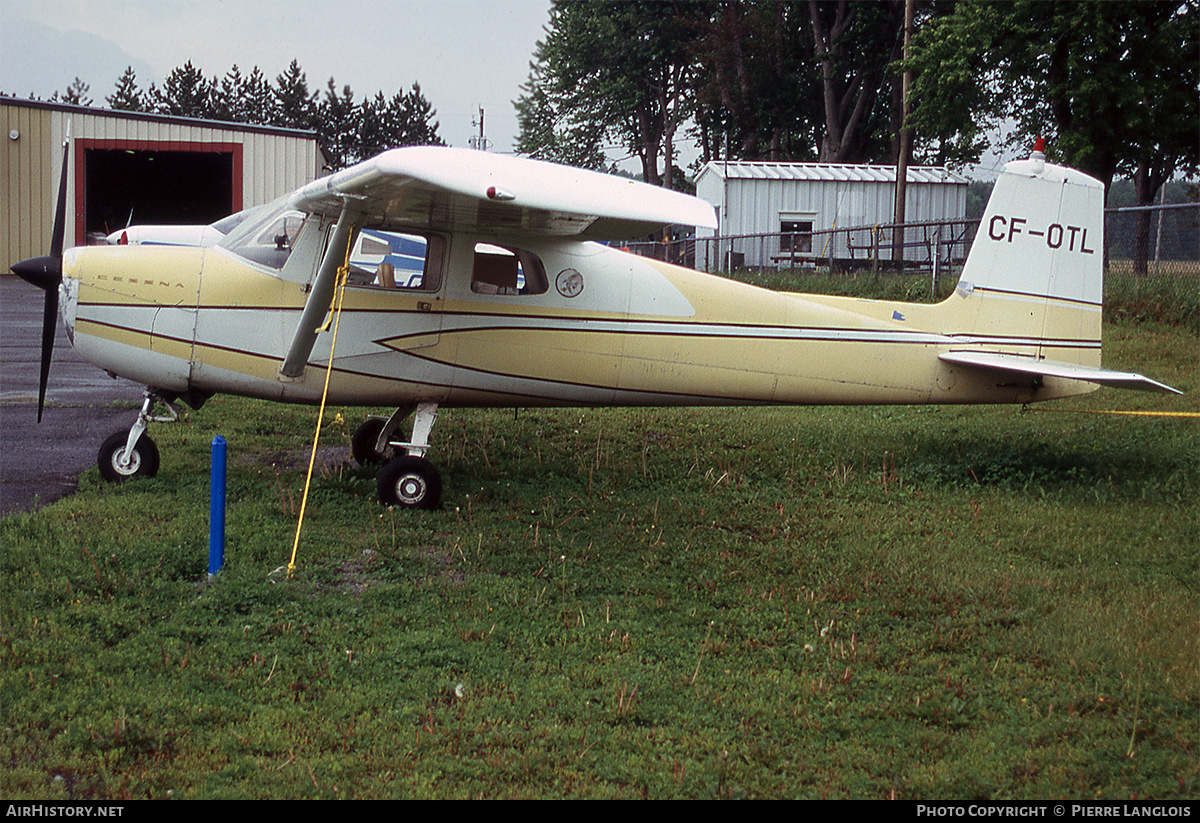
(508, 302)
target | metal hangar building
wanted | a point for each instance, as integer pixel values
(129, 168)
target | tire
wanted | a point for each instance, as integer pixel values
(411, 482)
(362, 443)
(144, 463)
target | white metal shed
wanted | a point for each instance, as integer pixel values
(781, 203)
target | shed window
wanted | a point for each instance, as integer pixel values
(795, 236)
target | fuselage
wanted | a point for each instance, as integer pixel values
(606, 328)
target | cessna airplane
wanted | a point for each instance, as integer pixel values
(505, 300)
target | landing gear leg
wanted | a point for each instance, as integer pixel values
(372, 441)
(410, 480)
(134, 454)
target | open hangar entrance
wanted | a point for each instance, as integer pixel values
(121, 183)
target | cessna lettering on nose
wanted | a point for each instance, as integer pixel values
(1074, 238)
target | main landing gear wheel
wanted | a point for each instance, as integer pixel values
(116, 467)
(412, 482)
(363, 442)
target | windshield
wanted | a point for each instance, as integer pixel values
(227, 224)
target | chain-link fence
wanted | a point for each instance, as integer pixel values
(1162, 240)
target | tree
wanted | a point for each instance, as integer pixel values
(801, 79)
(257, 99)
(855, 47)
(548, 129)
(185, 93)
(1094, 78)
(127, 96)
(618, 69)
(1167, 74)
(231, 101)
(75, 95)
(338, 125)
(406, 119)
(756, 91)
(295, 106)
(413, 120)
(1113, 86)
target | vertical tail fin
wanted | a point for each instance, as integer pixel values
(1030, 298)
(1033, 282)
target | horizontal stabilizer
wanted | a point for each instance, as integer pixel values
(1053, 368)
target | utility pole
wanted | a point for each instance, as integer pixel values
(904, 143)
(479, 142)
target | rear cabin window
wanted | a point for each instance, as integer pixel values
(501, 270)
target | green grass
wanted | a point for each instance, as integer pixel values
(803, 603)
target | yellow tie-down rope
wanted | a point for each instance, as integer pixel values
(343, 273)
(1106, 411)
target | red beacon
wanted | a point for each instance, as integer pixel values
(1039, 155)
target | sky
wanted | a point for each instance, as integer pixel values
(464, 53)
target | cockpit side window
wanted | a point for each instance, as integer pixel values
(503, 270)
(397, 260)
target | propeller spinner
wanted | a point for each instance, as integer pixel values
(46, 274)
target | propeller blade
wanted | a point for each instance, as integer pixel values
(60, 211)
(49, 327)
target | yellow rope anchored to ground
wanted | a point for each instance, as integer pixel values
(343, 273)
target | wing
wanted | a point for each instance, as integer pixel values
(1051, 368)
(435, 187)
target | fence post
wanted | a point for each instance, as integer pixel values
(875, 231)
(937, 259)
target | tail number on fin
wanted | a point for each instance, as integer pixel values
(1004, 229)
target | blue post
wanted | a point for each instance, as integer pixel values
(216, 528)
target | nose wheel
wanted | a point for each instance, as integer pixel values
(133, 453)
(118, 463)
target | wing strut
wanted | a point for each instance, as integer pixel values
(321, 296)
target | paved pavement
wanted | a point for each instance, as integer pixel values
(40, 463)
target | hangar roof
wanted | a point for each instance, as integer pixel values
(98, 111)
